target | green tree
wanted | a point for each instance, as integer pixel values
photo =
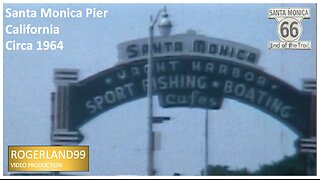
(293, 165)
(224, 170)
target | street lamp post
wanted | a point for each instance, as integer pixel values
(164, 27)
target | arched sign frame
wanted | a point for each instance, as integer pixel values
(180, 79)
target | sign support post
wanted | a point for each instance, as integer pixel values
(61, 132)
(206, 143)
(150, 105)
(310, 145)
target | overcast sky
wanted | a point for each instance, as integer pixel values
(239, 135)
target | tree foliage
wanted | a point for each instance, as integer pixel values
(224, 170)
(293, 165)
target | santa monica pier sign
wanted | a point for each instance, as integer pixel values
(190, 70)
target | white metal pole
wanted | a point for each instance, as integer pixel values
(150, 164)
(206, 144)
(150, 169)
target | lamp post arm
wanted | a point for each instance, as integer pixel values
(153, 22)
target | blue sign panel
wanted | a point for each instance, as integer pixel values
(190, 81)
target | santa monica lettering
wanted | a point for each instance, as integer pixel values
(289, 12)
(199, 47)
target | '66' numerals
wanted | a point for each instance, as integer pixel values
(49, 45)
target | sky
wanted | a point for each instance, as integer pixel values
(239, 135)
